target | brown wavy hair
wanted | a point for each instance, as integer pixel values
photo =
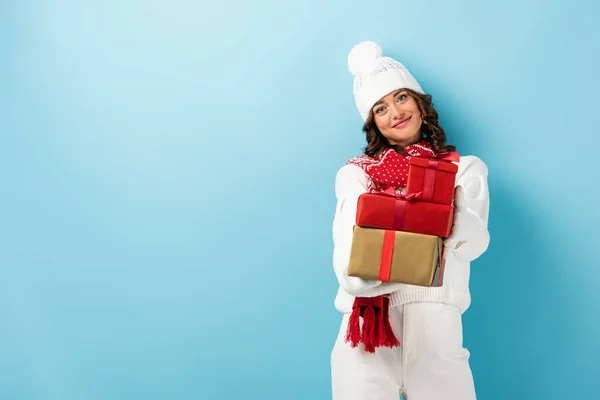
(430, 128)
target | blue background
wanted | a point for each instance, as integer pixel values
(167, 176)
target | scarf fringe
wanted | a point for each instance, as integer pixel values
(376, 328)
(353, 332)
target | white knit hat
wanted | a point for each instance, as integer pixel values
(376, 76)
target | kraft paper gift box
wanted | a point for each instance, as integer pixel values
(388, 210)
(434, 179)
(397, 256)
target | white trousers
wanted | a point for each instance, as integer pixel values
(431, 363)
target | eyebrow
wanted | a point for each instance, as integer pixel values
(395, 93)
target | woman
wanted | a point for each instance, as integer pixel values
(431, 362)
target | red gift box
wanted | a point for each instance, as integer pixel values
(403, 213)
(433, 178)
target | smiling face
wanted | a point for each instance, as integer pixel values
(398, 118)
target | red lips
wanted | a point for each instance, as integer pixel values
(401, 122)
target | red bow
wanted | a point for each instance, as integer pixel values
(450, 156)
(390, 191)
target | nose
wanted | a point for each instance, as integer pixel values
(397, 112)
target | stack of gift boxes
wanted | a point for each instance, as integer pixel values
(398, 237)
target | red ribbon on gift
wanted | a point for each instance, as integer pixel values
(387, 250)
(429, 180)
(449, 156)
(391, 192)
(442, 265)
(399, 206)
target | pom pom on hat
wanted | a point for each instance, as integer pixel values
(362, 56)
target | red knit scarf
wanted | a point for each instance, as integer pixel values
(389, 168)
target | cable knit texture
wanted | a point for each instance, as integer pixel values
(469, 239)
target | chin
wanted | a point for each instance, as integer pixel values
(403, 138)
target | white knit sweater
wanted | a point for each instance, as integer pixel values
(469, 239)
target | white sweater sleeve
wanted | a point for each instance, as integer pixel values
(470, 237)
(350, 183)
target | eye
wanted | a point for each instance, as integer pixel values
(402, 97)
(379, 110)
